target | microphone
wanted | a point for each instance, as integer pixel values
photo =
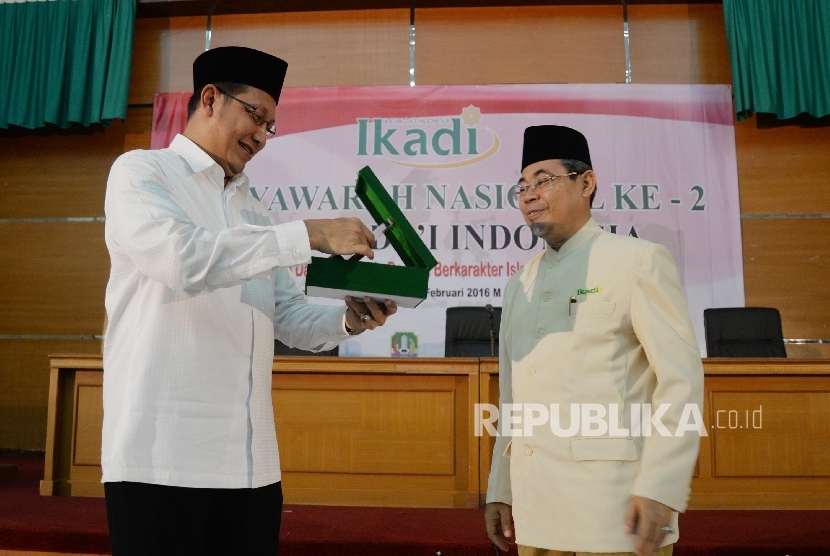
(492, 330)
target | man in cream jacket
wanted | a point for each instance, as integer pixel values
(597, 348)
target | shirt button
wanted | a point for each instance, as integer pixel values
(528, 451)
(546, 297)
(554, 264)
(296, 254)
(539, 333)
(531, 371)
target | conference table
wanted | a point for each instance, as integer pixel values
(403, 431)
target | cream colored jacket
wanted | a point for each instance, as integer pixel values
(603, 321)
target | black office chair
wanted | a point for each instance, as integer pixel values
(468, 331)
(282, 349)
(744, 332)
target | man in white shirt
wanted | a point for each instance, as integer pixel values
(198, 290)
(598, 323)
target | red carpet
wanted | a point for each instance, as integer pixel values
(29, 521)
(32, 522)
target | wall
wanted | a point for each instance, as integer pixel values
(53, 271)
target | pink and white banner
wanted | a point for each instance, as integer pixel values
(664, 157)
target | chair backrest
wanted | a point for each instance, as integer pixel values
(744, 332)
(282, 349)
(468, 331)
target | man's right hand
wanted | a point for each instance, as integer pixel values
(341, 236)
(499, 520)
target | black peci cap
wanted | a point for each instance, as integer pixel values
(549, 142)
(239, 64)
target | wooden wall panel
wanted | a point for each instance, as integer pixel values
(137, 130)
(24, 388)
(323, 49)
(678, 44)
(148, 61)
(53, 277)
(538, 44)
(58, 176)
(326, 49)
(787, 266)
(63, 175)
(782, 170)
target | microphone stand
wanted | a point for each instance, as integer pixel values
(492, 330)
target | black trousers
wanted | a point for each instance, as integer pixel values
(154, 520)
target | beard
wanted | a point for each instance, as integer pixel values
(540, 230)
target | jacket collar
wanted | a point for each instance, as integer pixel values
(585, 233)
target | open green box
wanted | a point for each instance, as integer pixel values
(336, 277)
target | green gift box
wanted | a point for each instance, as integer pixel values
(407, 286)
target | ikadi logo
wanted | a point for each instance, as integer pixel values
(428, 142)
(595, 289)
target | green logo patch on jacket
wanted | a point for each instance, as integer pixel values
(595, 289)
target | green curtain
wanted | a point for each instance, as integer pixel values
(64, 61)
(780, 56)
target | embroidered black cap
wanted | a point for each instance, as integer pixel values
(548, 142)
(239, 64)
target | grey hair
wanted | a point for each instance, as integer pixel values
(579, 167)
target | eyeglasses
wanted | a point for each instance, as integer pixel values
(253, 111)
(542, 183)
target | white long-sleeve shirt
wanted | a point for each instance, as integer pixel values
(198, 291)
